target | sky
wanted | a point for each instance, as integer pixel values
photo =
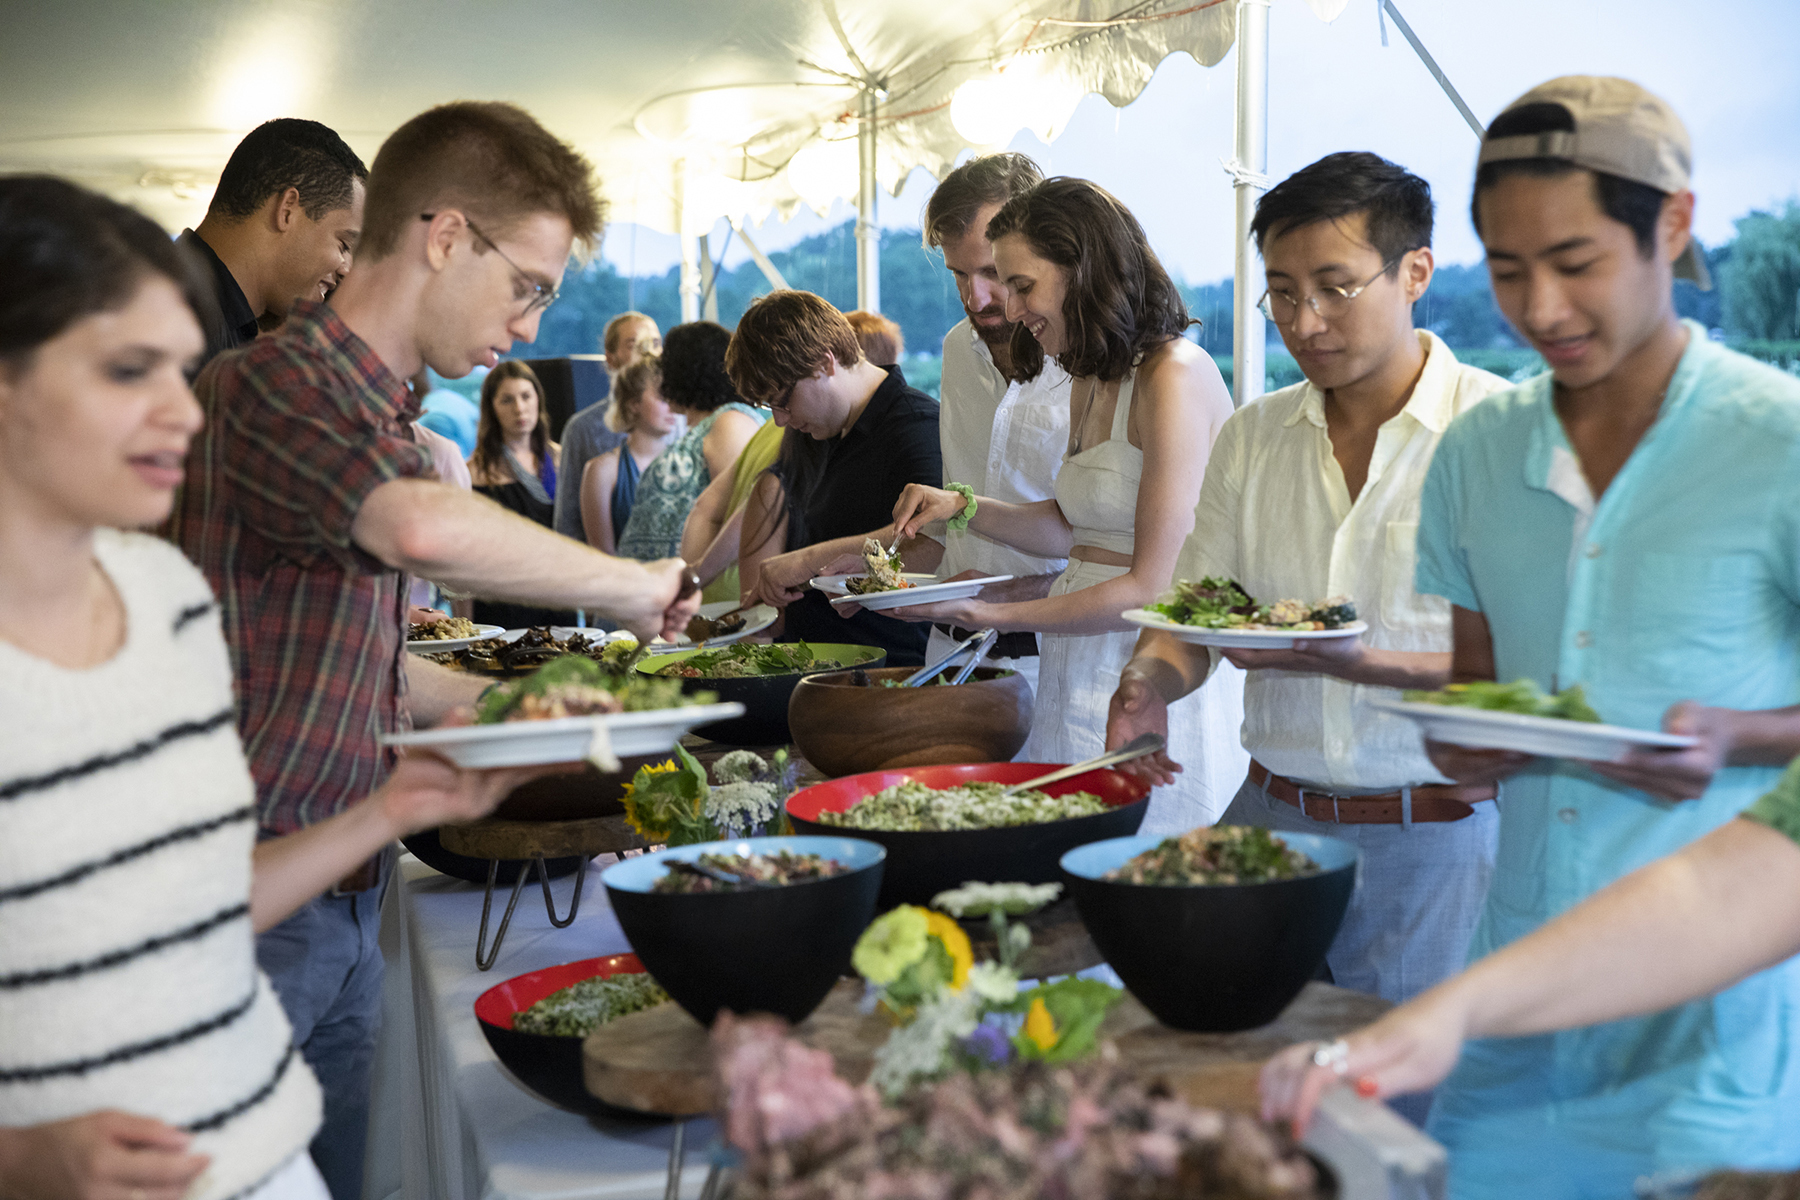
(1727, 66)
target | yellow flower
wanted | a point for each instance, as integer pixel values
(956, 944)
(893, 942)
(1039, 1026)
(636, 818)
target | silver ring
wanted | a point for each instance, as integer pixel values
(1335, 1055)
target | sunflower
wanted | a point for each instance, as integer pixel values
(956, 945)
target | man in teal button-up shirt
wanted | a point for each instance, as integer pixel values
(1629, 522)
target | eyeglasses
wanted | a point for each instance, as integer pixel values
(1328, 302)
(780, 403)
(542, 294)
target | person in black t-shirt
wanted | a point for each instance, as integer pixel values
(857, 435)
(282, 226)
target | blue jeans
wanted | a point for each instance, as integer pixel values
(325, 963)
(1419, 892)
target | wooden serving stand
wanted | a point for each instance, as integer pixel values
(660, 1061)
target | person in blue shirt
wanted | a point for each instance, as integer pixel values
(1629, 522)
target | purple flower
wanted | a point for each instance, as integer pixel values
(988, 1045)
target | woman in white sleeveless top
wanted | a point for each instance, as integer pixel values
(1085, 287)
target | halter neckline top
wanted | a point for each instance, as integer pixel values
(1097, 488)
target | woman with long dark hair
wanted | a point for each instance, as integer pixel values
(514, 465)
(143, 1054)
(1084, 286)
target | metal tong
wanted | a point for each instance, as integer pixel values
(1137, 747)
(979, 642)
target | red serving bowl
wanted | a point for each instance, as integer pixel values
(920, 864)
(546, 1064)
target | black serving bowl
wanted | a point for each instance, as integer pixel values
(1213, 958)
(547, 1064)
(764, 697)
(921, 864)
(775, 950)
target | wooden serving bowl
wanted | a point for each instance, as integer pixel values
(845, 729)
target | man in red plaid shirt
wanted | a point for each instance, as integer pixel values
(308, 503)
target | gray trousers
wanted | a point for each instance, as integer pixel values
(325, 962)
(1418, 893)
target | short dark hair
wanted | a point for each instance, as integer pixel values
(990, 179)
(282, 154)
(67, 253)
(693, 366)
(1120, 301)
(491, 160)
(1396, 202)
(1637, 206)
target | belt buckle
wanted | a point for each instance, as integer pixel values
(1335, 818)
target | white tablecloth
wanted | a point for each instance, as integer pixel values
(449, 1122)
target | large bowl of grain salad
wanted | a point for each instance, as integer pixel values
(535, 1023)
(936, 843)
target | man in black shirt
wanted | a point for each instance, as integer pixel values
(865, 436)
(282, 226)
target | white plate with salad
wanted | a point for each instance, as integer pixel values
(445, 645)
(756, 620)
(1239, 638)
(1520, 716)
(919, 589)
(564, 739)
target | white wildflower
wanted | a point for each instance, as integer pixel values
(980, 899)
(739, 766)
(736, 808)
(992, 982)
(919, 1049)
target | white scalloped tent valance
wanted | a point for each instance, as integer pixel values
(692, 110)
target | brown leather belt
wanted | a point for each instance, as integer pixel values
(362, 879)
(1430, 801)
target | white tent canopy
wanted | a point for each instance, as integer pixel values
(693, 110)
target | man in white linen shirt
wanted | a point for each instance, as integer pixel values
(1313, 491)
(1003, 438)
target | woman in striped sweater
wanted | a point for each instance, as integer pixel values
(142, 1054)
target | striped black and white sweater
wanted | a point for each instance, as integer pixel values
(128, 974)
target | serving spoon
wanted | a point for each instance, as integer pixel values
(1137, 747)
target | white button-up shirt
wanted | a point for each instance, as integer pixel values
(1003, 438)
(1276, 515)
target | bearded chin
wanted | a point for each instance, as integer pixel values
(993, 335)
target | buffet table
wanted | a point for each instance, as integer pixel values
(449, 1122)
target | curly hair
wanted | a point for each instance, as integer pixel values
(693, 366)
(1119, 301)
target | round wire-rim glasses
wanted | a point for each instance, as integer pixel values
(1335, 299)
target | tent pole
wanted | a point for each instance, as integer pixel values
(868, 233)
(770, 273)
(1248, 171)
(690, 250)
(709, 294)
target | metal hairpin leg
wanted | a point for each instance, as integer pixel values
(672, 1189)
(486, 954)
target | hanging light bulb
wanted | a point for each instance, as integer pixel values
(823, 171)
(1041, 96)
(985, 111)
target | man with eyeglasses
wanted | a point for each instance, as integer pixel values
(1313, 491)
(308, 503)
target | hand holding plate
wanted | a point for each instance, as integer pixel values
(1682, 774)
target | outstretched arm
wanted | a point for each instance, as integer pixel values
(1687, 925)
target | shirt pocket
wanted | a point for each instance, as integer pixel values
(1402, 608)
(1688, 618)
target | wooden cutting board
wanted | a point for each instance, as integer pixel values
(659, 1061)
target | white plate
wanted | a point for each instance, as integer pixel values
(1550, 736)
(443, 645)
(1239, 639)
(923, 591)
(755, 621)
(564, 739)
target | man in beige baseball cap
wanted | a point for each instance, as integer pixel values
(1628, 521)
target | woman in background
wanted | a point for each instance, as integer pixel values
(514, 465)
(719, 426)
(609, 482)
(1084, 286)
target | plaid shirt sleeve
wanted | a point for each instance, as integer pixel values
(303, 453)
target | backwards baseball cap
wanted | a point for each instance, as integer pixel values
(1619, 129)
